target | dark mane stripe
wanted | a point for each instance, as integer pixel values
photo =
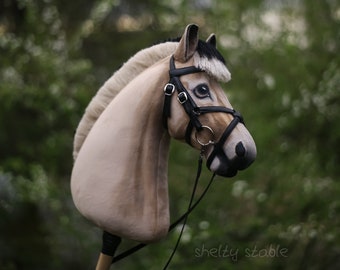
(204, 49)
(209, 51)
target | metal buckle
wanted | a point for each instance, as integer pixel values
(182, 97)
(169, 89)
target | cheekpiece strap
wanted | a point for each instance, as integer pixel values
(183, 96)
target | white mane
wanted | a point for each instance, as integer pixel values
(134, 66)
(213, 67)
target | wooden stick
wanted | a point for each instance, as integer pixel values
(104, 262)
(109, 246)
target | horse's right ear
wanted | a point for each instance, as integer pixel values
(188, 44)
(212, 40)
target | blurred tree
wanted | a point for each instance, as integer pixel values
(41, 101)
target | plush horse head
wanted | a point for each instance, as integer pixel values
(119, 179)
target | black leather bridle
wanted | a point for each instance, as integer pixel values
(194, 111)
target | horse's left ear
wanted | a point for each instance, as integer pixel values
(188, 44)
(212, 40)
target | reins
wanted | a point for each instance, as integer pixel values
(199, 170)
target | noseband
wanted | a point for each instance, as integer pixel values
(194, 111)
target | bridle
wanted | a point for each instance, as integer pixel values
(194, 111)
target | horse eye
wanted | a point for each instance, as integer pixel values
(202, 91)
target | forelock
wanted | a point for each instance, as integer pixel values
(209, 59)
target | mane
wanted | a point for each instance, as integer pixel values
(132, 68)
(207, 58)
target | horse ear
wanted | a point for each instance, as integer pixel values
(188, 44)
(212, 40)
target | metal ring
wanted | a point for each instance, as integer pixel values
(211, 133)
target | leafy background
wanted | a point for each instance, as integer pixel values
(281, 213)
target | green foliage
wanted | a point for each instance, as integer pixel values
(281, 213)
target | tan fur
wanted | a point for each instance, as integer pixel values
(119, 179)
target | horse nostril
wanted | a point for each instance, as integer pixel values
(240, 150)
